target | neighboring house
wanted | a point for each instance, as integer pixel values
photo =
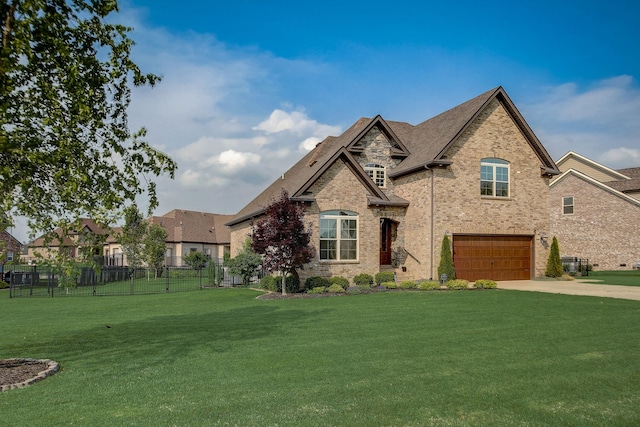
(78, 243)
(187, 231)
(10, 248)
(595, 212)
(383, 195)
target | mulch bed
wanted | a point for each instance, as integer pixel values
(17, 373)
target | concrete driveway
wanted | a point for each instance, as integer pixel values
(575, 287)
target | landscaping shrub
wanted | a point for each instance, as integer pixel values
(317, 290)
(268, 283)
(379, 288)
(363, 279)
(3, 285)
(428, 285)
(457, 284)
(407, 284)
(390, 285)
(554, 264)
(292, 283)
(384, 276)
(316, 282)
(353, 290)
(336, 289)
(446, 265)
(485, 284)
(339, 280)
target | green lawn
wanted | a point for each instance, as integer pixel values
(625, 278)
(221, 357)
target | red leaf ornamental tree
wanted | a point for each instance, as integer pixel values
(282, 239)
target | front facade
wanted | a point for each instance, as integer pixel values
(595, 213)
(79, 244)
(383, 195)
(10, 248)
(187, 231)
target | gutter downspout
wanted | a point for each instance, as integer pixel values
(433, 179)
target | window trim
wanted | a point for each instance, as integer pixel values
(565, 205)
(494, 163)
(338, 216)
(372, 169)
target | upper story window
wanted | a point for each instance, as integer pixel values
(377, 173)
(494, 178)
(567, 205)
(338, 235)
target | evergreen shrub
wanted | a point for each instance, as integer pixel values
(384, 276)
(339, 280)
(457, 284)
(363, 279)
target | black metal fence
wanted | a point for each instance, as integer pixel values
(575, 266)
(42, 281)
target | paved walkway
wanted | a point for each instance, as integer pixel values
(573, 288)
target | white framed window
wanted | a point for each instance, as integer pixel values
(567, 205)
(494, 178)
(378, 173)
(338, 236)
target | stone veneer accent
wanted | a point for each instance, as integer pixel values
(604, 228)
(452, 194)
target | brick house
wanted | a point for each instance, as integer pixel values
(187, 231)
(79, 243)
(595, 212)
(10, 248)
(383, 195)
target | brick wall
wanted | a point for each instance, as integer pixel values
(604, 228)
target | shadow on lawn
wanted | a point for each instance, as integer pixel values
(173, 337)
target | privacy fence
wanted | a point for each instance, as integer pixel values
(41, 281)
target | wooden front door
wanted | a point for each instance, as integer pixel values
(385, 241)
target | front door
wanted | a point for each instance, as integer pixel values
(385, 241)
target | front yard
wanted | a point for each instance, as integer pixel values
(221, 357)
(624, 278)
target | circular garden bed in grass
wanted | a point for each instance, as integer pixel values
(17, 373)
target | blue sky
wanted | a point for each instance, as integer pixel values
(249, 86)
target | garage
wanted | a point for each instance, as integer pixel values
(492, 257)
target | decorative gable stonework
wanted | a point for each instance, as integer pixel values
(432, 189)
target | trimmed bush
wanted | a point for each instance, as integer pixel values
(379, 288)
(339, 280)
(363, 279)
(335, 289)
(384, 276)
(390, 285)
(428, 285)
(457, 284)
(316, 282)
(408, 284)
(485, 284)
(317, 290)
(268, 283)
(292, 283)
(3, 285)
(353, 290)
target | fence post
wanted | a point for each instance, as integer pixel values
(166, 277)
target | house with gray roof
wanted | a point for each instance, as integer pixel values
(595, 212)
(187, 231)
(383, 195)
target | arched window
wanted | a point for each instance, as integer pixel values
(377, 173)
(338, 235)
(494, 178)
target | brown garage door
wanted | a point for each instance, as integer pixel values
(492, 257)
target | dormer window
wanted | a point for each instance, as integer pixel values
(377, 173)
(494, 178)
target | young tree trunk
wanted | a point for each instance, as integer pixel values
(284, 283)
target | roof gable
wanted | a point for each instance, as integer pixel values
(397, 147)
(573, 160)
(595, 183)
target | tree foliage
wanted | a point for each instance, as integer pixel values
(196, 260)
(446, 265)
(246, 263)
(132, 236)
(155, 247)
(281, 237)
(554, 263)
(66, 150)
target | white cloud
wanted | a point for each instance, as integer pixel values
(233, 161)
(599, 122)
(309, 143)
